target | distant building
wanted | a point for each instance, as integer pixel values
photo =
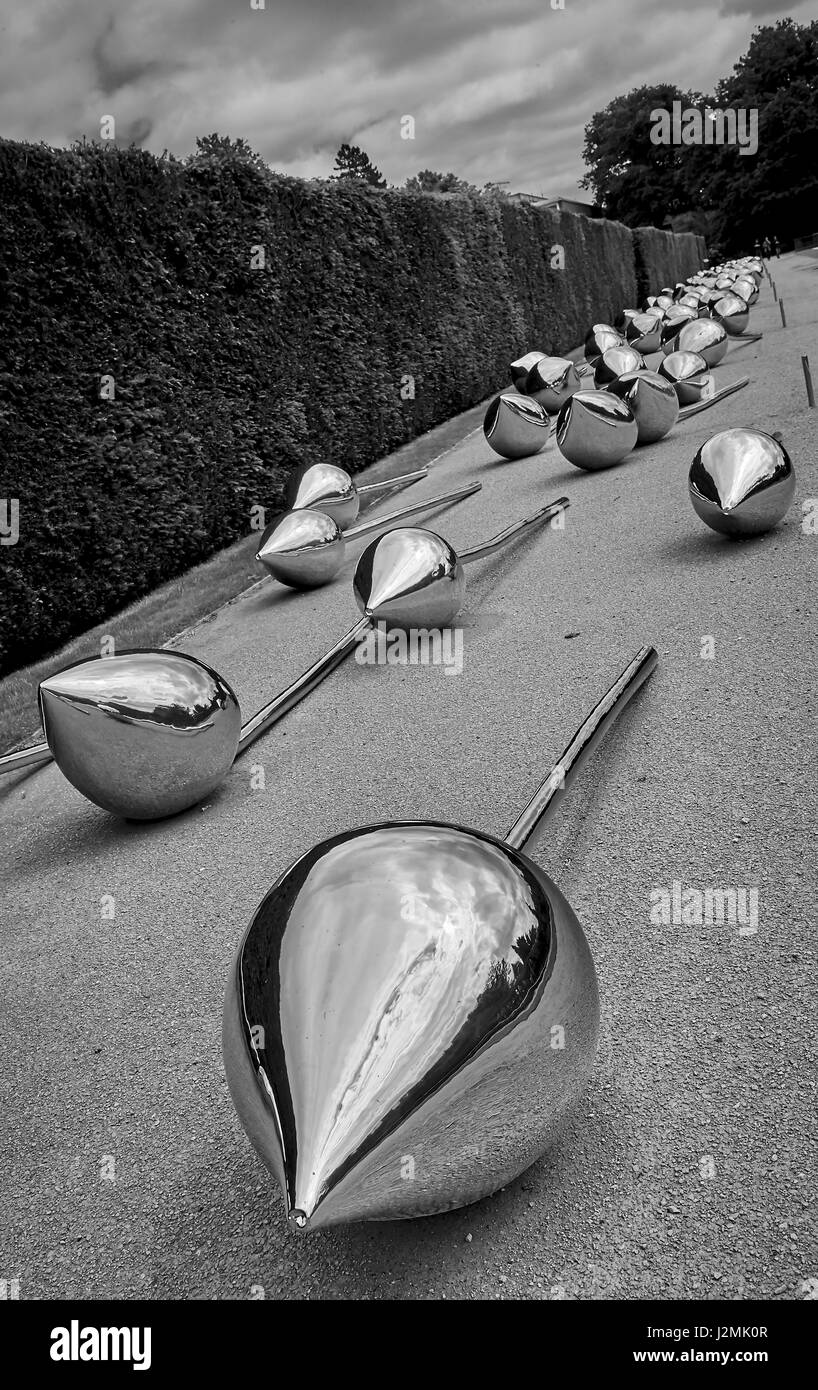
(539, 200)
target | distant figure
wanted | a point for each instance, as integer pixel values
(757, 247)
(777, 246)
(767, 248)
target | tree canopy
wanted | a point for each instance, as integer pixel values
(351, 162)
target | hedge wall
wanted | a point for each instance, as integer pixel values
(664, 258)
(123, 264)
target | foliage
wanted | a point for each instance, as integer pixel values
(351, 162)
(427, 181)
(375, 316)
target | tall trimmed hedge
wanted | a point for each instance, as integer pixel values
(117, 263)
(664, 258)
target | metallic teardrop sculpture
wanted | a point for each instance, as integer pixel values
(741, 482)
(732, 312)
(644, 333)
(616, 362)
(704, 336)
(144, 734)
(595, 430)
(652, 401)
(303, 549)
(746, 289)
(519, 369)
(395, 994)
(551, 381)
(516, 427)
(600, 337)
(330, 489)
(688, 373)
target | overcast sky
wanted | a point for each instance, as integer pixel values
(498, 89)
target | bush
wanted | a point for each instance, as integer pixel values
(121, 264)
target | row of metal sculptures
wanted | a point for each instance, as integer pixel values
(413, 1010)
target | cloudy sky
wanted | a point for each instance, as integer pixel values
(498, 89)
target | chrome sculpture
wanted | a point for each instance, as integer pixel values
(673, 324)
(704, 336)
(615, 362)
(515, 426)
(651, 400)
(600, 337)
(146, 734)
(412, 578)
(389, 1018)
(643, 333)
(551, 381)
(595, 430)
(732, 312)
(746, 288)
(331, 489)
(688, 372)
(741, 482)
(519, 369)
(305, 549)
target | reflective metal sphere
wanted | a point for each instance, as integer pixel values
(551, 381)
(388, 1031)
(601, 337)
(704, 336)
(615, 362)
(746, 289)
(302, 549)
(644, 333)
(688, 373)
(652, 401)
(741, 482)
(519, 369)
(516, 426)
(143, 734)
(732, 312)
(326, 487)
(410, 577)
(595, 430)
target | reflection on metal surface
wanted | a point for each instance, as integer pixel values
(652, 401)
(306, 548)
(330, 489)
(595, 430)
(601, 337)
(704, 336)
(144, 734)
(741, 482)
(732, 312)
(615, 362)
(644, 333)
(519, 369)
(688, 373)
(516, 426)
(413, 1012)
(413, 578)
(551, 381)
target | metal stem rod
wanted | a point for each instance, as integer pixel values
(405, 478)
(33, 756)
(478, 552)
(375, 523)
(714, 400)
(282, 703)
(808, 380)
(588, 735)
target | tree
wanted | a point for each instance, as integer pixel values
(636, 181)
(427, 181)
(351, 162)
(775, 191)
(220, 149)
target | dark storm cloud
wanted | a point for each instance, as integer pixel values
(498, 89)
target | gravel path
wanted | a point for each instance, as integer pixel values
(688, 1168)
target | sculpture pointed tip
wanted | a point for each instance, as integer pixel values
(299, 1221)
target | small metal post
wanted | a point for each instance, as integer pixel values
(783, 315)
(808, 380)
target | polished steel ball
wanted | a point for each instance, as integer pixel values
(325, 486)
(389, 1022)
(601, 337)
(741, 482)
(551, 381)
(615, 362)
(410, 578)
(732, 312)
(143, 734)
(303, 549)
(595, 430)
(519, 369)
(652, 401)
(703, 336)
(688, 373)
(643, 332)
(746, 288)
(516, 426)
